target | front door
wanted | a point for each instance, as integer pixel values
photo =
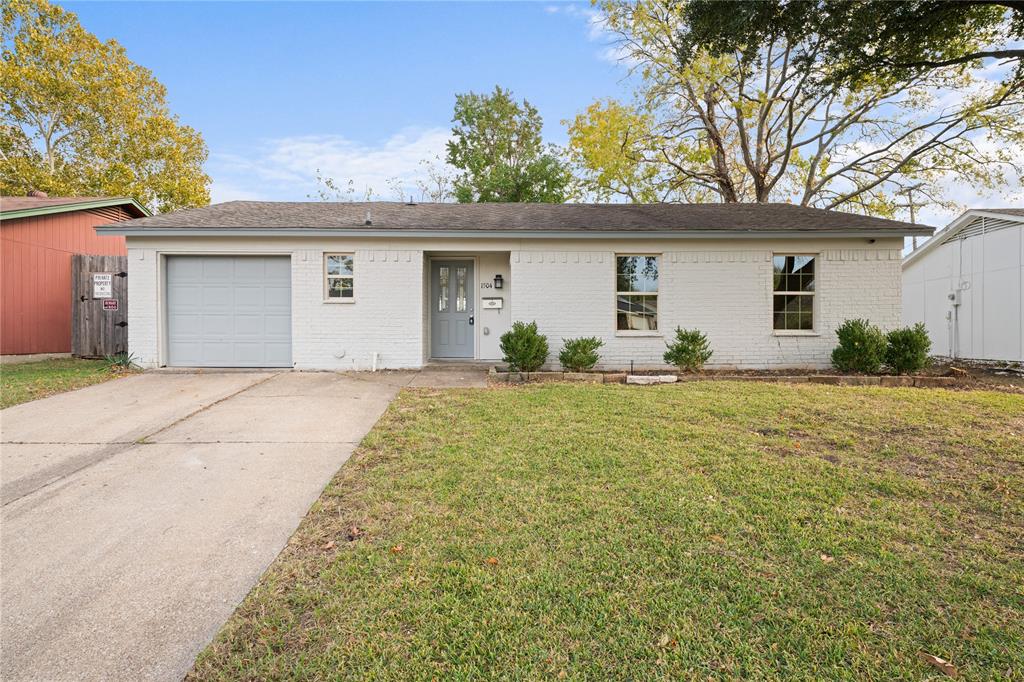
(451, 308)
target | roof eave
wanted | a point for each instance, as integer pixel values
(949, 230)
(502, 234)
(75, 206)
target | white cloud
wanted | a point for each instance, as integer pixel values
(597, 29)
(285, 168)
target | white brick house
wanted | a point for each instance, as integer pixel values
(355, 286)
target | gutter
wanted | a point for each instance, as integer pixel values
(500, 234)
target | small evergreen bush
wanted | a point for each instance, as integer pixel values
(907, 349)
(523, 348)
(861, 347)
(689, 350)
(579, 355)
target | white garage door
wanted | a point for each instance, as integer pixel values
(229, 311)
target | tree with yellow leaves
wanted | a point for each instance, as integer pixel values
(765, 122)
(79, 118)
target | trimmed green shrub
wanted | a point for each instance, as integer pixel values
(523, 348)
(579, 355)
(861, 347)
(689, 350)
(907, 349)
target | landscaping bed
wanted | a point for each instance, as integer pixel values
(926, 379)
(731, 530)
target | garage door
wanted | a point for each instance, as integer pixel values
(229, 311)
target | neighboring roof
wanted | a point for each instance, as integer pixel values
(1000, 216)
(1003, 211)
(25, 207)
(491, 219)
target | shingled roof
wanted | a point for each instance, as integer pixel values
(583, 218)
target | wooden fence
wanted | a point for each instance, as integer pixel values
(99, 306)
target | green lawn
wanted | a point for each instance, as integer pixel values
(32, 380)
(730, 530)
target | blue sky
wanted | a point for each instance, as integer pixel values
(361, 90)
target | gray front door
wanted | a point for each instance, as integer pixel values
(451, 308)
(227, 311)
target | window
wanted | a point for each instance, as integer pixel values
(442, 298)
(636, 293)
(793, 293)
(338, 276)
(460, 294)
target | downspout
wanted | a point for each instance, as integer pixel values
(954, 341)
(979, 310)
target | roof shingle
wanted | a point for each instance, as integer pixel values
(523, 217)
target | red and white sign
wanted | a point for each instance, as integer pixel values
(110, 304)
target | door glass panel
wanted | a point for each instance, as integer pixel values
(442, 299)
(460, 296)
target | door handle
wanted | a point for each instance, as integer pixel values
(470, 320)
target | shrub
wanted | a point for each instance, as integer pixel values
(523, 348)
(579, 355)
(120, 361)
(907, 349)
(689, 350)
(861, 347)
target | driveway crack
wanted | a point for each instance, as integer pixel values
(145, 439)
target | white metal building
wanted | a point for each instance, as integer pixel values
(967, 285)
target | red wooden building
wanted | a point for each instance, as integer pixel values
(38, 236)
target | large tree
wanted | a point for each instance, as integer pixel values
(762, 123)
(499, 155)
(864, 39)
(80, 118)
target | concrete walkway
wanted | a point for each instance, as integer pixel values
(138, 513)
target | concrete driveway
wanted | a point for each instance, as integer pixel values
(138, 513)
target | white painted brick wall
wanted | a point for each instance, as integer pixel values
(386, 316)
(725, 291)
(726, 294)
(143, 311)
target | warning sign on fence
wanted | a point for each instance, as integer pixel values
(110, 304)
(102, 284)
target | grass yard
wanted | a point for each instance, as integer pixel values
(709, 529)
(22, 382)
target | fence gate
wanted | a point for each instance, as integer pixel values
(99, 317)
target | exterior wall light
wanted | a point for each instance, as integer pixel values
(498, 281)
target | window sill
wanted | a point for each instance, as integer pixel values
(795, 332)
(641, 334)
(334, 301)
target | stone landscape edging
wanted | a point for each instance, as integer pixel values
(495, 376)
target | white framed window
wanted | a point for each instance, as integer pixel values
(339, 277)
(793, 292)
(636, 293)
